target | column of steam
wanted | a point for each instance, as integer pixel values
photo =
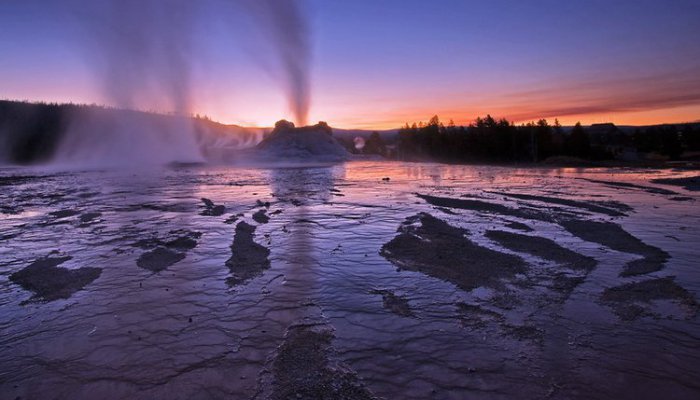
(286, 26)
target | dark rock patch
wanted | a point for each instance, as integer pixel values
(248, 259)
(303, 369)
(519, 226)
(182, 243)
(506, 300)
(18, 179)
(682, 198)
(50, 282)
(544, 248)
(159, 259)
(613, 236)
(211, 209)
(590, 206)
(691, 183)
(565, 283)
(446, 210)
(181, 240)
(89, 217)
(625, 185)
(486, 207)
(64, 213)
(625, 299)
(440, 250)
(261, 217)
(396, 304)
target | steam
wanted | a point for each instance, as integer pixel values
(140, 52)
(286, 26)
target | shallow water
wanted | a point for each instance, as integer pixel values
(184, 333)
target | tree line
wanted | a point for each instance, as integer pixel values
(499, 140)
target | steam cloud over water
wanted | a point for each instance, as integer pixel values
(286, 26)
(142, 53)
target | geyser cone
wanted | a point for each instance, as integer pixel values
(306, 144)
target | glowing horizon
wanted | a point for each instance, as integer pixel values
(629, 63)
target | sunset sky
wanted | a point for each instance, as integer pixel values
(380, 64)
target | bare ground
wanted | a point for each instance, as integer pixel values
(442, 251)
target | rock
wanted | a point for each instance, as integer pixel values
(159, 259)
(307, 144)
(50, 282)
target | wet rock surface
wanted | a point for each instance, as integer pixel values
(159, 259)
(611, 209)
(542, 247)
(316, 309)
(485, 207)
(166, 251)
(689, 183)
(627, 185)
(433, 247)
(211, 209)
(629, 300)
(396, 304)
(64, 213)
(89, 217)
(50, 282)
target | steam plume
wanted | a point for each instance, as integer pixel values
(286, 26)
(140, 51)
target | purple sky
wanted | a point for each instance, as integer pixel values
(379, 64)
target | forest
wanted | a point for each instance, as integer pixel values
(499, 140)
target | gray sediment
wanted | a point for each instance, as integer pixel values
(304, 369)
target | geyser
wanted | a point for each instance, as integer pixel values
(140, 53)
(286, 27)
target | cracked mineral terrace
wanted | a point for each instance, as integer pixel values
(422, 281)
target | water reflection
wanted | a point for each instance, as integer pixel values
(302, 189)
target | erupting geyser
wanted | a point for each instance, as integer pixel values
(313, 143)
(286, 28)
(142, 54)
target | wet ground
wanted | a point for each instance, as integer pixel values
(365, 280)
